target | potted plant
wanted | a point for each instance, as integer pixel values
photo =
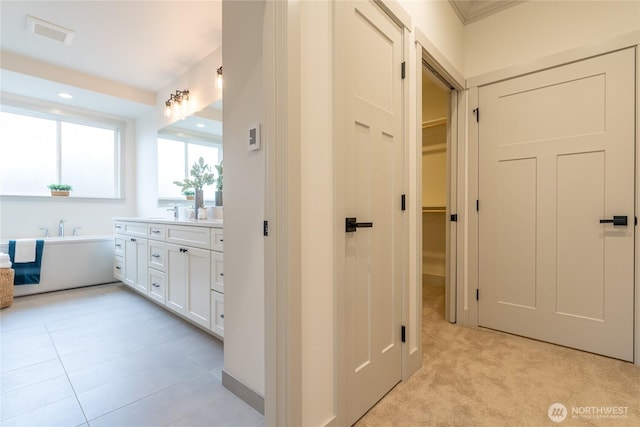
(60, 189)
(201, 175)
(189, 194)
(218, 195)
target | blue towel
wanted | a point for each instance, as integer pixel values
(27, 273)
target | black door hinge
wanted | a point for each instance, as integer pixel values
(265, 228)
(454, 218)
(477, 205)
(478, 294)
(403, 72)
(403, 333)
(476, 111)
(403, 202)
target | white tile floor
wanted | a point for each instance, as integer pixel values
(105, 356)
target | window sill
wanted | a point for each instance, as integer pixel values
(74, 198)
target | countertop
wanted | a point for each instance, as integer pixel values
(211, 223)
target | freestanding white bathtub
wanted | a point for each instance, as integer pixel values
(71, 262)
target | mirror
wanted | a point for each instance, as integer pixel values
(207, 121)
(183, 143)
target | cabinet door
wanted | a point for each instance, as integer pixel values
(118, 268)
(217, 313)
(189, 236)
(135, 258)
(157, 255)
(176, 274)
(157, 286)
(217, 270)
(199, 286)
(217, 239)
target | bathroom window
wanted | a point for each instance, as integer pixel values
(39, 149)
(176, 155)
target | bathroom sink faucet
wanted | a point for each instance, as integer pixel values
(61, 228)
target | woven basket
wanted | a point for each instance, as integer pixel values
(6, 287)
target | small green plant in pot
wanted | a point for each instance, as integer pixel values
(201, 175)
(189, 194)
(60, 190)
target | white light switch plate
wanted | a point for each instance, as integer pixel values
(254, 137)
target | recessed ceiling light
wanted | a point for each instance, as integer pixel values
(65, 95)
(200, 125)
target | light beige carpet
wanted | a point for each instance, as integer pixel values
(479, 377)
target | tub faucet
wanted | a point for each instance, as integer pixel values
(46, 231)
(61, 228)
(75, 231)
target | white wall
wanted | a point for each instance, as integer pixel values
(535, 29)
(244, 347)
(438, 21)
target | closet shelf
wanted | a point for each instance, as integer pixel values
(434, 122)
(434, 209)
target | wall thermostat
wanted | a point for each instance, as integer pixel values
(254, 137)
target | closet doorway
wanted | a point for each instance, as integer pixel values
(436, 185)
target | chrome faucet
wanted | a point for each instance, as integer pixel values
(46, 231)
(174, 209)
(61, 228)
(75, 231)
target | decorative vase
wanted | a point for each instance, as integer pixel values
(199, 201)
(56, 193)
(218, 198)
(190, 197)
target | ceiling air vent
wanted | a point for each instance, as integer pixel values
(49, 30)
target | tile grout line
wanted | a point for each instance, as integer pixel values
(64, 368)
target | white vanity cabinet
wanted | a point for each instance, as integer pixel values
(157, 265)
(217, 282)
(181, 264)
(188, 278)
(130, 249)
(135, 264)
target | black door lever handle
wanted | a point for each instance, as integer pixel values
(352, 225)
(618, 220)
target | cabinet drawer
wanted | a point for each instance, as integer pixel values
(157, 256)
(118, 249)
(217, 313)
(217, 272)
(217, 239)
(198, 237)
(157, 288)
(136, 229)
(118, 268)
(156, 231)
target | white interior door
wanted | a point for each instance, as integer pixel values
(370, 182)
(556, 155)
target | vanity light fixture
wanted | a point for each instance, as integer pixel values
(177, 103)
(219, 78)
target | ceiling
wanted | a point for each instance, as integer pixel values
(472, 10)
(141, 45)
